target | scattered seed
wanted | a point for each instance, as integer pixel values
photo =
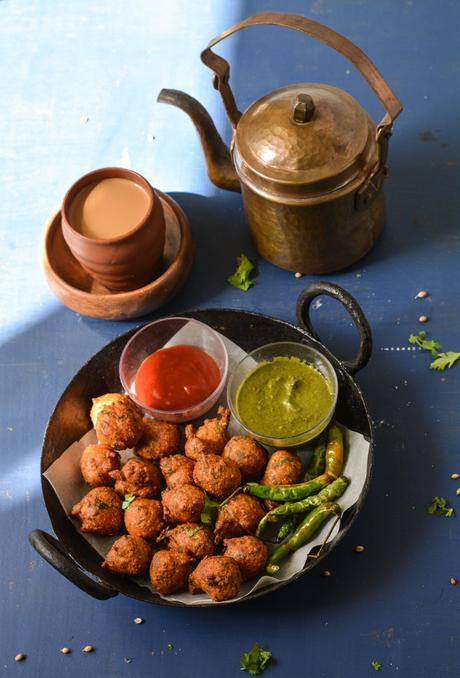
(327, 573)
(454, 476)
(422, 294)
(138, 620)
(128, 660)
(457, 491)
(20, 657)
(298, 274)
(66, 650)
(453, 581)
(84, 119)
(423, 319)
(88, 648)
(359, 548)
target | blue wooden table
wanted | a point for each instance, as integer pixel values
(78, 88)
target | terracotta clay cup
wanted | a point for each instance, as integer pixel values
(126, 262)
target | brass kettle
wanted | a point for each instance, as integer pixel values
(308, 158)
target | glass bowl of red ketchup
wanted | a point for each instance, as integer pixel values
(175, 369)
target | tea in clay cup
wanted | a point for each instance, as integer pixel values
(113, 223)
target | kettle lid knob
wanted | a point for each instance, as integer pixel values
(303, 108)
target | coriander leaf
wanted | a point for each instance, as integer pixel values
(240, 278)
(170, 647)
(376, 665)
(191, 531)
(208, 514)
(129, 498)
(255, 660)
(440, 506)
(444, 360)
(426, 344)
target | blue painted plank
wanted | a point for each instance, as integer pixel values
(79, 83)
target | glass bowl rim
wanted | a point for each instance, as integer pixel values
(296, 435)
(182, 410)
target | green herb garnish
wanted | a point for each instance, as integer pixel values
(170, 647)
(440, 506)
(441, 360)
(208, 514)
(444, 360)
(280, 462)
(191, 531)
(241, 277)
(129, 498)
(255, 660)
(427, 344)
(376, 665)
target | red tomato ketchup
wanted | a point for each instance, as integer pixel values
(177, 377)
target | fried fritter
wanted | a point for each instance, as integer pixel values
(250, 457)
(177, 470)
(194, 539)
(144, 518)
(159, 439)
(250, 553)
(99, 511)
(170, 570)
(283, 468)
(117, 420)
(210, 438)
(138, 477)
(239, 516)
(96, 463)
(216, 475)
(183, 504)
(218, 576)
(129, 556)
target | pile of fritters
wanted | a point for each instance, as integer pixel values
(157, 498)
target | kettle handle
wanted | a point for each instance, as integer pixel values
(316, 30)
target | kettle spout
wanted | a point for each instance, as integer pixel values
(218, 160)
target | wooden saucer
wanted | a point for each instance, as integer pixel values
(77, 289)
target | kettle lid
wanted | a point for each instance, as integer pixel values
(303, 140)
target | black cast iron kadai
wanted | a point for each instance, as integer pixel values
(70, 553)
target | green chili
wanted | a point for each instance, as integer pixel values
(334, 451)
(288, 492)
(317, 464)
(306, 530)
(286, 528)
(329, 493)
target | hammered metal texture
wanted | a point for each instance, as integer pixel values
(313, 239)
(272, 144)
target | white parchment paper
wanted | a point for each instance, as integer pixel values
(65, 477)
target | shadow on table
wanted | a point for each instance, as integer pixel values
(41, 359)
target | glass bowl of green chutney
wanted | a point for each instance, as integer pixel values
(283, 394)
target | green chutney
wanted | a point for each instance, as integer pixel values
(283, 397)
